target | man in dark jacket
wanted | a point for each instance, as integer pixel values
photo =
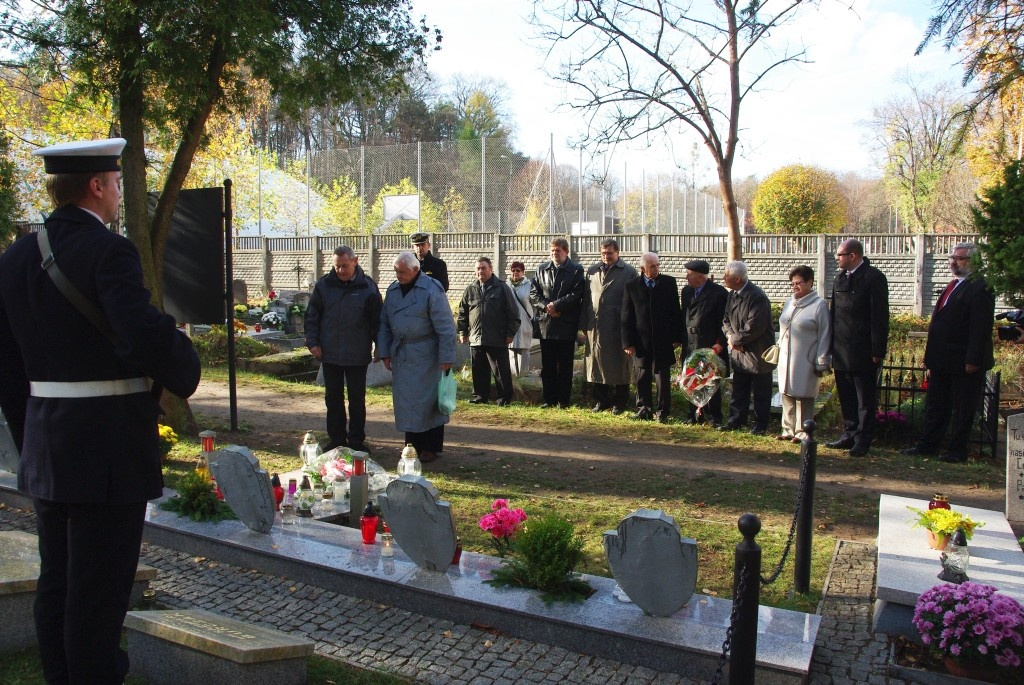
(429, 264)
(81, 392)
(860, 333)
(748, 329)
(651, 330)
(957, 355)
(703, 303)
(488, 321)
(342, 321)
(557, 293)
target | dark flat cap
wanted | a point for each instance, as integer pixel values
(419, 238)
(698, 265)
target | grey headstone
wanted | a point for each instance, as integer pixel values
(301, 298)
(422, 525)
(1015, 468)
(654, 565)
(245, 485)
(377, 375)
(8, 452)
(239, 291)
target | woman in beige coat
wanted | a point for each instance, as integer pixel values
(805, 343)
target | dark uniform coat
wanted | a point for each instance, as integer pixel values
(565, 287)
(651, 320)
(860, 319)
(702, 318)
(436, 269)
(91, 449)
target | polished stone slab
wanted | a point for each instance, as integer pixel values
(333, 557)
(8, 451)
(192, 646)
(1015, 468)
(907, 566)
(19, 572)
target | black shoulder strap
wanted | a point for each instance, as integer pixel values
(68, 289)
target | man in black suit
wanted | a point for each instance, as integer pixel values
(81, 392)
(650, 331)
(748, 330)
(703, 303)
(557, 293)
(860, 333)
(957, 355)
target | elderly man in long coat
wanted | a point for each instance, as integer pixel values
(608, 365)
(416, 342)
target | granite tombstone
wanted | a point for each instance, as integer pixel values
(422, 525)
(245, 485)
(654, 565)
(1015, 468)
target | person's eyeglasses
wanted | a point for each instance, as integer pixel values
(959, 259)
(843, 254)
(797, 284)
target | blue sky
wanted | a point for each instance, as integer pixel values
(811, 113)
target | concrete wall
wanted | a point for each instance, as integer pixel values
(916, 264)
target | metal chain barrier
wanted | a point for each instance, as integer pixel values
(727, 643)
(792, 527)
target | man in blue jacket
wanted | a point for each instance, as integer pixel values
(341, 324)
(80, 386)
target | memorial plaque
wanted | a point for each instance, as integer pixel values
(422, 524)
(654, 565)
(1015, 468)
(245, 485)
(8, 452)
(19, 562)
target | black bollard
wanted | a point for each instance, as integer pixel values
(805, 519)
(746, 597)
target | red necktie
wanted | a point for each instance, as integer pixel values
(946, 293)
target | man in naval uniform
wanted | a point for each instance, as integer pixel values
(429, 264)
(81, 392)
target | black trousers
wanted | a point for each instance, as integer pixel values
(88, 556)
(858, 398)
(345, 429)
(743, 384)
(488, 360)
(643, 375)
(429, 440)
(952, 400)
(611, 395)
(556, 370)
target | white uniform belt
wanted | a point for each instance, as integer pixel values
(120, 386)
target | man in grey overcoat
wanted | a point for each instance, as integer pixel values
(748, 328)
(608, 365)
(416, 342)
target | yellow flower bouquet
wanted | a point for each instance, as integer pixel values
(944, 522)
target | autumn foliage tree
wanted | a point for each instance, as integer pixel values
(1000, 221)
(799, 199)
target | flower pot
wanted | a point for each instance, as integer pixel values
(937, 540)
(967, 669)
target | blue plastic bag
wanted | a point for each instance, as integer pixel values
(446, 388)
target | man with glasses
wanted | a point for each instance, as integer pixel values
(860, 333)
(957, 355)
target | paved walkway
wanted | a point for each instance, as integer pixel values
(431, 650)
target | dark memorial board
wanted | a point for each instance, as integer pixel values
(194, 257)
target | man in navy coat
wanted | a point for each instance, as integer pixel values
(83, 405)
(957, 355)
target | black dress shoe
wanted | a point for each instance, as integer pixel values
(565, 405)
(663, 419)
(617, 410)
(690, 422)
(478, 400)
(503, 403)
(643, 415)
(858, 451)
(951, 458)
(758, 431)
(917, 452)
(725, 427)
(359, 447)
(840, 444)
(547, 406)
(598, 407)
